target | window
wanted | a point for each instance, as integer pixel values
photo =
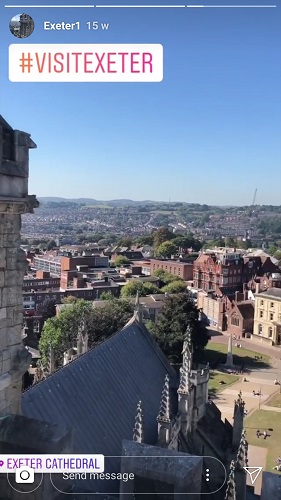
(260, 330)
(261, 314)
(271, 316)
(270, 332)
(272, 305)
(261, 302)
(235, 320)
(36, 326)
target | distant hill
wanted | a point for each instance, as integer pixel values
(92, 201)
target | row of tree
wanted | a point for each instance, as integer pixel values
(179, 311)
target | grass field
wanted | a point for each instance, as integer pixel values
(216, 378)
(216, 353)
(271, 422)
(275, 401)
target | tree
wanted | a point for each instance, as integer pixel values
(61, 332)
(272, 250)
(47, 309)
(174, 287)
(121, 260)
(131, 289)
(179, 312)
(51, 244)
(245, 244)
(106, 296)
(162, 234)
(166, 249)
(144, 240)
(230, 242)
(165, 278)
(150, 288)
(70, 299)
(126, 241)
(277, 255)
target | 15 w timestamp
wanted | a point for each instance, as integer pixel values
(96, 25)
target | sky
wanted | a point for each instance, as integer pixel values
(210, 132)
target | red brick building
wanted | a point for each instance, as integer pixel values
(240, 319)
(183, 270)
(222, 270)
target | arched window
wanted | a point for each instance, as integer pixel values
(260, 329)
(270, 332)
(235, 320)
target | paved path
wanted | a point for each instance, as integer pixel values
(271, 408)
(225, 399)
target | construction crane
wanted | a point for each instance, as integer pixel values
(254, 198)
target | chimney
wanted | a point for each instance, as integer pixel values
(236, 296)
(257, 288)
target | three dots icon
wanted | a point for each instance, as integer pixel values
(207, 475)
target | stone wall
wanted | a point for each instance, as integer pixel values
(13, 357)
(14, 201)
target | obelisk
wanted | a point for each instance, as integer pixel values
(229, 358)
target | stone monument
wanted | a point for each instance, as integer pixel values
(229, 357)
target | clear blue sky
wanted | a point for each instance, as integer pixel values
(209, 133)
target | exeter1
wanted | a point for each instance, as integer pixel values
(61, 26)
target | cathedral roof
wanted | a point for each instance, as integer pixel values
(97, 394)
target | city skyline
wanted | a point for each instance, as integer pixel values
(209, 133)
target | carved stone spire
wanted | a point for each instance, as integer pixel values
(230, 493)
(51, 366)
(242, 455)
(238, 420)
(239, 405)
(138, 429)
(164, 414)
(39, 374)
(137, 311)
(85, 343)
(184, 386)
(79, 343)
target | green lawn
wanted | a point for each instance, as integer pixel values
(275, 401)
(271, 422)
(216, 378)
(216, 353)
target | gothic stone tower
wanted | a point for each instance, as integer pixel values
(14, 201)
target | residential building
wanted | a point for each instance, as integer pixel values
(49, 263)
(42, 281)
(214, 308)
(257, 265)
(177, 268)
(267, 320)
(218, 269)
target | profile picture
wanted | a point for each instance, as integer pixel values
(21, 26)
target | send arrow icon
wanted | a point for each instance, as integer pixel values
(253, 472)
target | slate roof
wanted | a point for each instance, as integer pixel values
(271, 292)
(246, 309)
(96, 395)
